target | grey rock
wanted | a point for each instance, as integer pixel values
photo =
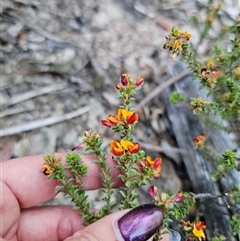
(35, 37)
(43, 142)
(14, 30)
(71, 138)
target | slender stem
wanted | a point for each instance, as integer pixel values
(106, 181)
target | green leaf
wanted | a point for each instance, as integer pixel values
(59, 188)
(122, 193)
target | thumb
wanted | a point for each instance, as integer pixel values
(138, 224)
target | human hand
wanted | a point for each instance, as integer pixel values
(23, 187)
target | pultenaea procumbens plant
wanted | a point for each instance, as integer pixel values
(135, 168)
(220, 74)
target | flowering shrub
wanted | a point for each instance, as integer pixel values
(222, 81)
(220, 75)
(135, 168)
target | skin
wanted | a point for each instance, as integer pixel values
(23, 187)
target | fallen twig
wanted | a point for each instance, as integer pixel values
(100, 71)
(9, 111)
(161, 21)
(162, 149)
(34, 93)
(43, 122)
(36, 28)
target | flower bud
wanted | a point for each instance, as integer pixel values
(139, 81)
(178, 198)
(124, 79)
(118, 86)
(237, 71)
(106, 123)
(77, 147)
(113, 119)
(152, 191)
(157, 162)
(189, 238)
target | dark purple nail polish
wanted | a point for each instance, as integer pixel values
(140, 223)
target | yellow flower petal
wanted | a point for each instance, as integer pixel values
(116, 148)
(175, 45)
(149, 160)
(198, 233)
(126, 144)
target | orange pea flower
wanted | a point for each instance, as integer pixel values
(199, 140)
(116, 148)
(177, 41)
(129, 146)
(198, 228)
(125, 116)
(185, 34)
(200, 225)
(208, 73)
(130, 117)
(155, 164)
(46, 170)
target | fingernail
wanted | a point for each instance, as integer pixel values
(139, 224)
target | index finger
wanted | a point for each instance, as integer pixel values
(24, 178)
